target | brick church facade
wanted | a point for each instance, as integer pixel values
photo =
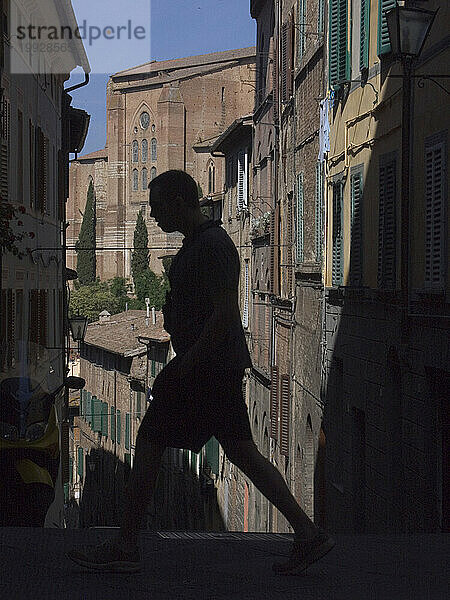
(160, 115)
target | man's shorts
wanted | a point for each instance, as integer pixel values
(186, 410)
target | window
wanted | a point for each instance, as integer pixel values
(144, 151)
(435, 209)
(299, 241)
(113, 424)
(321, 16)
(154, 149)
(119, 426)
(319, 211)
(384, 45)
(144, 179)
(387, 255)
(274, 398)
(135, 180)
(135, 151)
(356, 192)
(211, 179)
(364, 35)
(104, 418)
(127, 431)
(301, 30)
(286, 60)
(246, 297)
(339, 63)
(96, 415)
(80, 462)
(285, 413)
(242, 195)
(337, 267)
(152, 173)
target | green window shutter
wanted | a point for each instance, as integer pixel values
(104, 417)
(387, 255)
(70, 469)
(89, 408)
(301, 29)
(138, 404)
(435, 210)
(299, 246)
(153, 371)
(80, 462)
(97, 414)
(321, 16)
(338, 249)
(119, 426)
(364, 35)
(356, 191)
(384, 45)
(127, 431)
(319, 211)
(339, 62)
(113, 424)
(212, 454)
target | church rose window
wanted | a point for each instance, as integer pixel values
(145, 120)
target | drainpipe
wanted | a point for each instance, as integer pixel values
(78, 85)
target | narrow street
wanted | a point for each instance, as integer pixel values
(226, 566)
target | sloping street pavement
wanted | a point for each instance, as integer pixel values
(218, 566)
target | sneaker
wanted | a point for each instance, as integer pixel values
(106, 557)
(305, 553)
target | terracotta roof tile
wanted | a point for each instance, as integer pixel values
(97, 154)
(188, 61)
(118, 335)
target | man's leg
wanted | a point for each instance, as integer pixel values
(140, 487)
(269, 481)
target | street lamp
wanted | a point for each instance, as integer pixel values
(78, 325)
(408, 29)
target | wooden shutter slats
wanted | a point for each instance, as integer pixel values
(319, 211)
(300, 236)
(337, 250)
(435, 170)
(274, 397)
(387, 225)
(285, 408)
(356, 229)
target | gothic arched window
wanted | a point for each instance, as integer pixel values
(135, 147)
(154, 149)
(153, 173)
(144, 179)
(135, 180)
(144, 151)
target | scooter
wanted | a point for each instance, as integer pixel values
(29, 450)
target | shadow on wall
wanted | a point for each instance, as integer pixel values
(385, 386)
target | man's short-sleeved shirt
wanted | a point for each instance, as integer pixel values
(205, 266)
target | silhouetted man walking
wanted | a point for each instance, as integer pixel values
(198, 394)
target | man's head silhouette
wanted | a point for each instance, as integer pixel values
(174, 202)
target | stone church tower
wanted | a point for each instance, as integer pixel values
(160, 115)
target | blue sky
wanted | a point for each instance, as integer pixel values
(178, 28)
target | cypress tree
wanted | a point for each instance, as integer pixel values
(140, 256)
(86, 260)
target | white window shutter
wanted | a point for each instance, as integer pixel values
(245, 199)
(241, 180)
